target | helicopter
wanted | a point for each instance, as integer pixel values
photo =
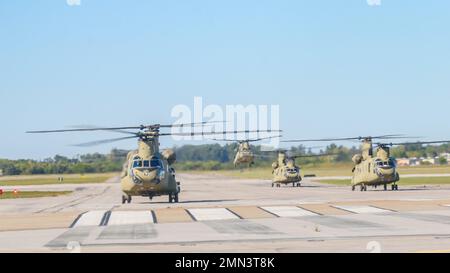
(244, 153)
(147, 172)
(375, 168)
(286, 171)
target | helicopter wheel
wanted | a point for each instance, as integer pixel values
(395, 187)
(124, 199)
(273, 185)
(353, 188)
(170, 198)
(385, 187)
(176, 198)
(129, 199)
(299, 185)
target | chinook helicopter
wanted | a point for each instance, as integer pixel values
(375, 168)
(286, 171)
(244, 152)
(147, 172)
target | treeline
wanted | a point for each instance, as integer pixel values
(201, 157)
(217, 157)
(89, 163)
(419, 151)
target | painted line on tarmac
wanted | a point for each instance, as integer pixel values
(214, 214)
(91, 218)
(289, 211)
(155, 219)
(105, 219)
(122, 218)
(363, 209)
(76, 220)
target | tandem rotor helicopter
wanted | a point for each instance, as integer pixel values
(374, 168)
(286, 171)
(147, 171)
(244, 152)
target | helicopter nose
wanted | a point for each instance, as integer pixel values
(386, 172)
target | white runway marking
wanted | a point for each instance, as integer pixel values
(362, 209)
(119, 218)
(91, 218)
(212, 214)
(289, 211)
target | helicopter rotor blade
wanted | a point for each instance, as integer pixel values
(347, 138)
(263, 138)
(248, 140)
(141, 127)
(217, 133)
(312, 156)
(100, 142)
(413, 143)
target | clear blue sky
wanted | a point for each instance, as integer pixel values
(335, 67)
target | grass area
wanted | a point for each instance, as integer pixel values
(425, 170)
(266, 173)
(27, 180)
(33, 194)
(413, 181)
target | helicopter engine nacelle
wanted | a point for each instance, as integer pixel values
(170, 156)
(357, 159)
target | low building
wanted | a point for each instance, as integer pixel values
(406, 162)
(431, 161)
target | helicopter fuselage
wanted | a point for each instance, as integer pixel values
(285, 171)
(244, 155)
(375, 172)
(148, 173)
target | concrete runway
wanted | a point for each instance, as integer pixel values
(218, 214)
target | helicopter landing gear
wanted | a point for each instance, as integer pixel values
(353, 188)
(298, 185)
(173, 198)
(385, 187)
(394, 187)
(126, 199)
(363, 187)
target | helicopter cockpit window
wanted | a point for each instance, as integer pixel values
(137, 164)
(146, 163)
(156, 163)
(392, 163)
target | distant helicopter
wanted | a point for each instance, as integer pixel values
(244, 153)
(375, 169)
(147, 171)
(286, 171)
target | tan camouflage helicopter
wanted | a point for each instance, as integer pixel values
(375, 169)
(244, 152)
(147, 172)
(286, 171)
